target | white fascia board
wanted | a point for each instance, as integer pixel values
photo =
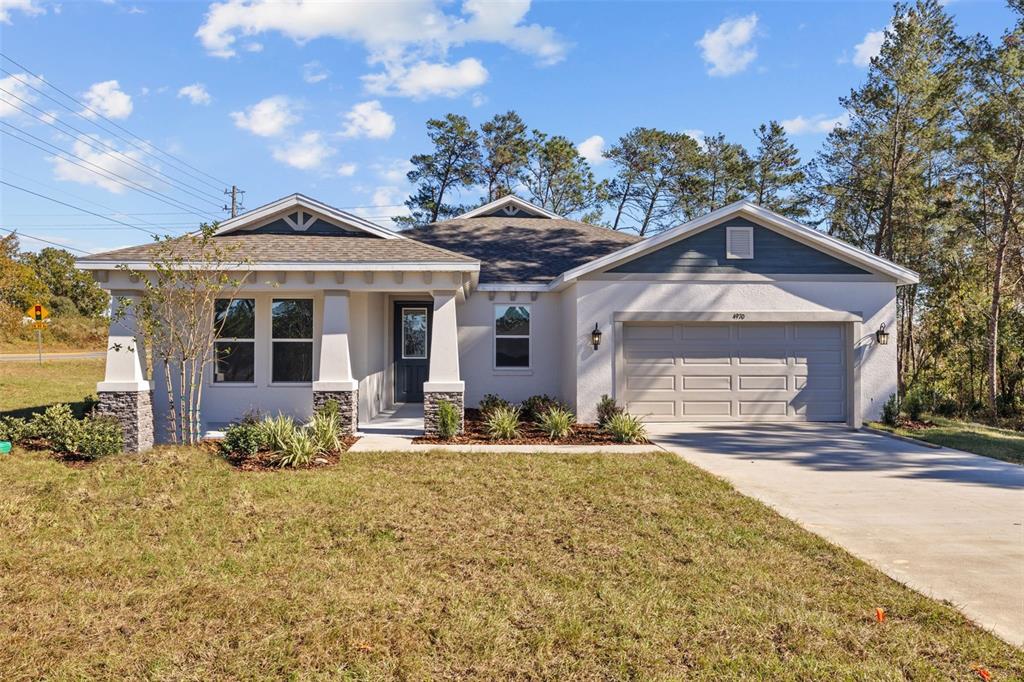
(301, 201)
(791, 228)
(504, 201)
(407, 266)
(513, 287)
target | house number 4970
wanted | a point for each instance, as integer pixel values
(739, 316)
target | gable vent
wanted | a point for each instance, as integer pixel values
(739, 242)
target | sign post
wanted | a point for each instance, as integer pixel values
(38, 314)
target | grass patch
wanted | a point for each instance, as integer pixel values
(27, 387)
(980, 439)
(62, 334)
(417, 566)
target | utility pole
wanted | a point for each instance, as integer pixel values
(236, 200)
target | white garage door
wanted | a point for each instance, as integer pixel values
(735, 372)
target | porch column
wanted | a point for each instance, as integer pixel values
(444, 382)
(334, 379)
(124, 392)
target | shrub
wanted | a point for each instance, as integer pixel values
(326, 428)
(503, 423)
(606, 409)
(448, 420)
(299, 450)
(625, 428)
(99, 436)
(534, 407)
(58, 426)
(491, 401)
(277, 432)
(913, 404)
(245, 438)
(557, 422)
(14, 429)
(891, 411)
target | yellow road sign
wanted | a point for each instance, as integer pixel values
(37, 312)
(39, 324)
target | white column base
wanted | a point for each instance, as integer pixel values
(347, 385)
(123, 387)
(444, 387)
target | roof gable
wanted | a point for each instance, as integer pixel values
(299, 214)
(509, 206)
(758, 216)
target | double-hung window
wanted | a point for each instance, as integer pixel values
(512, 336)
(235, 323)
(291, 340)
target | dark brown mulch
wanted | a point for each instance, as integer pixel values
(530, 434)
(67, 459)
(267, 461)
(912, 425)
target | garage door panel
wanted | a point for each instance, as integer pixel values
(735, 372)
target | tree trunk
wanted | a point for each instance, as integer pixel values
(622, 204)
(992, 342)
(172, 419)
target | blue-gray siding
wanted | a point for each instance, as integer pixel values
(319, 227)
(774, 254)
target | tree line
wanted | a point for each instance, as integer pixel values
(927, 171)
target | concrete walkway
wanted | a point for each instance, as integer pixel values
(946, 523)
(31, 357)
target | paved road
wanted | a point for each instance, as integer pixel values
(947, 523)
(28, 357)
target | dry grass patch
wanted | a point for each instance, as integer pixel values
(176, 565)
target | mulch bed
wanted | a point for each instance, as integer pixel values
(69, 460)
(912, 425)
(530, 434)
(267, 461)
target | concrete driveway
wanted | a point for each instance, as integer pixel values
(944, 522)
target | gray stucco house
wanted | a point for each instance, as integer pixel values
(741, 315)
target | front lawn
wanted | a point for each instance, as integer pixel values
(176, 565)
(27, 387)
(980, 439)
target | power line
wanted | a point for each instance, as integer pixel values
(110, 150)
(46, 241)
(39, 78)
(103, 172)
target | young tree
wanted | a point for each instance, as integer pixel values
(777, 175)
(454, 164)
(505, 149)
(56, 269)
(175, 317)
(559, 179)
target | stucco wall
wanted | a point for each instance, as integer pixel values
(369, 351)
(476, 348)
(598, 301)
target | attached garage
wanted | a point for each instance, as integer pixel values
(745, 371)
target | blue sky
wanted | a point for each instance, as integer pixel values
(330, 99)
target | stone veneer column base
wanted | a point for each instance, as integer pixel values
(134, 410)
(430, 403)
(348, 407)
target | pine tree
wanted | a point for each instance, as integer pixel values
(777, 175)
(505, 149)
(453, 165)
(559, 179)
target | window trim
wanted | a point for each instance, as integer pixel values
(311, 341)
(730, 253)
(426, 347)
(235, 339)
(528, 367)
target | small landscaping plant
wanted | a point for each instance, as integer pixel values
(913, 405)
(491, 401)
(326, 427)
(534, 407)
(606, 409)
(557, 422)
(246, 438)
(14, 429)
(625, 428)
(503, 423)
(57, 426)
(448, 420)
(299, 450)
(891, 411)
(277, 431)
(87, 438)
(99, 437)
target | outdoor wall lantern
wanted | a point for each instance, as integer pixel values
(882, 336)
(595, 337)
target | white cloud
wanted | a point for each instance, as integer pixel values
(347, 170)
(314, 72)
(196, 93)
(868, 48)
(727, 49)
(108, 99)
(807, 125)
(9, 105)
(267, 118)
(101, 160)
(253, 47)
(29, 7)
(478, 100)
(387, 202)
(383, 28)
(306, 153)
(591, 148)
(394, 172)
(426, 79)
(368, 119)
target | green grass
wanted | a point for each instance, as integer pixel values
(27, 387)
(173, 565)
(968, 436)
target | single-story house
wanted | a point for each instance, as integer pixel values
(741, 315)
